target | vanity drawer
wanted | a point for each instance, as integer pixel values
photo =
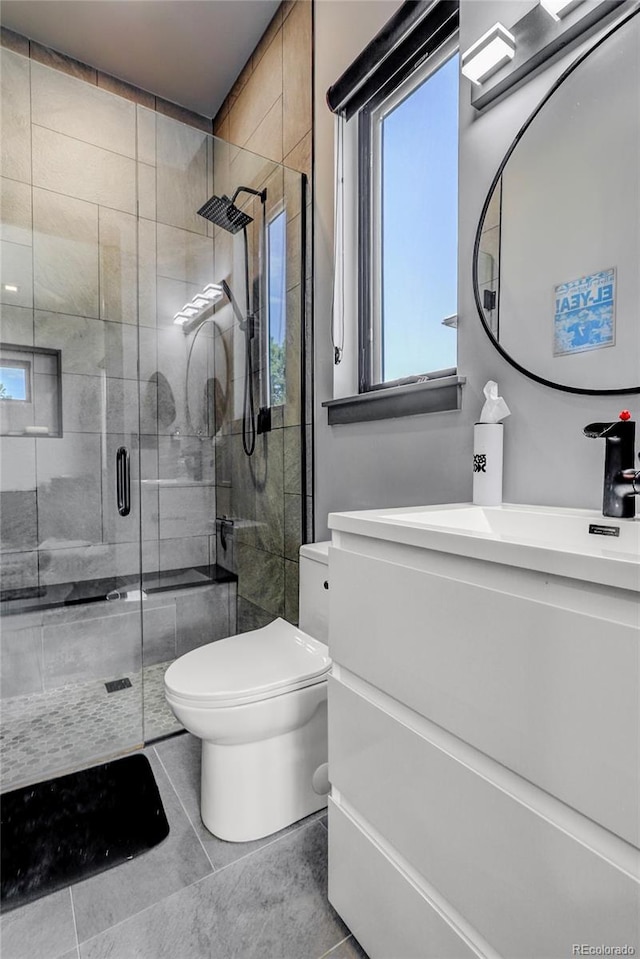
(527, 886)
(367, 888)
(548, 691)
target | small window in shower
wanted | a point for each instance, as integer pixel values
(277, 307)
(15, 380)
(30, 391)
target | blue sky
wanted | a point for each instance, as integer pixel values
(420, 227)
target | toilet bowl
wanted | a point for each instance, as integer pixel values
(258, 701)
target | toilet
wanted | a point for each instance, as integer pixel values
(258, 701)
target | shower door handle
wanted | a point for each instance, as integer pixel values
(123, 481)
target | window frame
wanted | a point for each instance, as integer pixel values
(370, 274)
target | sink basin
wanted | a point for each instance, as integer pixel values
(581, 544)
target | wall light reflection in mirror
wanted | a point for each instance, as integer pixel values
(200, 304)
(494, 48)
(559, 8)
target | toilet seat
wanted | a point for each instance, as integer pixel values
(253, 666)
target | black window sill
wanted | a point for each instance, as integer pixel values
(440, 395)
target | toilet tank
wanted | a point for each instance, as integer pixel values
(314, 592)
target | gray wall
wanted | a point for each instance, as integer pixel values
(427, 459)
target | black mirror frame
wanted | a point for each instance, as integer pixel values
(476, 245)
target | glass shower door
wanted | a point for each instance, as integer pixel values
(70, 603)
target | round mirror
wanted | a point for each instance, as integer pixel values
(556, 265)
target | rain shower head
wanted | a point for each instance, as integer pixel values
(223, 212)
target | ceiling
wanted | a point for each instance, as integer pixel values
(186, 51)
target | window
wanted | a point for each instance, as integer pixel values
(15, 380)
(394, 308)
(277, 308)
(408, 192)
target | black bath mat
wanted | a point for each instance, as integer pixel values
(67, 829)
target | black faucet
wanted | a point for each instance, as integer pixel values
(621, 481)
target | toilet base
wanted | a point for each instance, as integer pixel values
(251, 790)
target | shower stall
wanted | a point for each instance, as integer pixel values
(152, 411)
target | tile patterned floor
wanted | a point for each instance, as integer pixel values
(47, 734)
(193, 896)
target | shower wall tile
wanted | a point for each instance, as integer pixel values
(261, 578)
(61, 62)
(17, 463)
(186, 371)
(118, 266)
(18, 520)
(183, 255)
(148, 352)
(125, 90)
(150, 556)
(187, 511)
(147, 273)
(149, 405)
(89, 346)
(14, 41)
(261, 91)
(267, 38)
(250, 616)
(16, 325)
(65, 252)
(293, 361)
(69, 512)
(84, 171)
(185, 552)
(15, 211)
(15, 116)
(19, 570)
(182, 174)
(93, 648)
(46, 408)
(296, 75)
(16, 270)
(233, 609)
(69, 500)
(147, 191)
(190, 458)
(251, 168)
(291, 591)
(176, 112)
(146, 135)
(268, 474)
(20, 658)
(267, 138)
(74, 563)
(69, 106)
(158, 634)
(294, 250)
(122, 405)
(293, 525)
(292, 459)
(171, 297)
(202, 616)
(299, 158)
(82, 403)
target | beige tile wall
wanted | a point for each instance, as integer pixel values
(268, 109)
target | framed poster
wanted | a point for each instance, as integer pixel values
(585, 313)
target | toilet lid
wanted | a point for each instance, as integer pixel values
(256, 665)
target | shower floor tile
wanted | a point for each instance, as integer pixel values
(48, 734)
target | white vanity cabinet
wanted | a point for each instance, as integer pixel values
(483, 750)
